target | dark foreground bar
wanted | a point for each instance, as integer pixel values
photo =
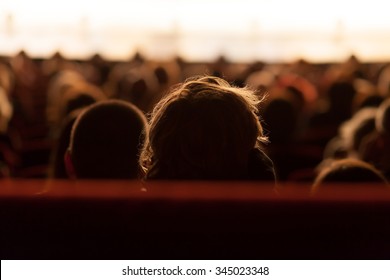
(187, 220)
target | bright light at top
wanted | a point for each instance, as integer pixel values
(198, 29)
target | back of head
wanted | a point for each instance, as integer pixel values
(58, 85)
(349, 170)
(138, 86)
(105, 141)
(341, 95)
(205, 129)
(280, 116)
(79, 96)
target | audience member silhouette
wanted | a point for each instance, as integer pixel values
(105, 142)
(349, 170)
(206, 129)
(280, 116)
(58, 85)
(313, 100)
(324, 123)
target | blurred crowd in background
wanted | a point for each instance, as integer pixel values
(315, 115)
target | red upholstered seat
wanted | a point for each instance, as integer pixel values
(205, 220)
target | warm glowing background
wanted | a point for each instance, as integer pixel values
(241, 30)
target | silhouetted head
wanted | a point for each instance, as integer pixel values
(106, 139)
(204, 129)
(58, 85)
(349, 170)
(162, 75)
(280, 117)
(79, 96)
(137, 86)
(341, 95)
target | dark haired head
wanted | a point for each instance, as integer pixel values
(105, 141)
(349, 170)
(341, 95)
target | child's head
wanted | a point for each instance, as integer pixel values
(106, 139)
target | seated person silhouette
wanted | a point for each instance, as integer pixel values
(349, 170)
(206, 129)
(105, 142)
